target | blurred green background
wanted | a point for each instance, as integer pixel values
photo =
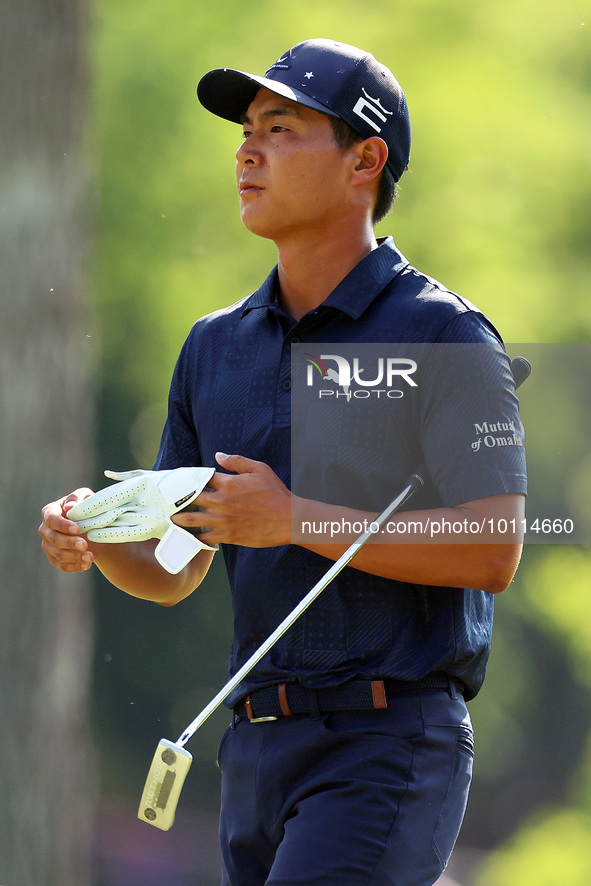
(496, 206)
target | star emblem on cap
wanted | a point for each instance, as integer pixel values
(308, 75)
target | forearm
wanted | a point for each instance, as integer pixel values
(133, 568)
(454, 555)
(486, 567)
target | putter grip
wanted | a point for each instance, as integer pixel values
(163, 784)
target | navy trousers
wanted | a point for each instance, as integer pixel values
(372, 798)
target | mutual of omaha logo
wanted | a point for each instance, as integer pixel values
(492, 434)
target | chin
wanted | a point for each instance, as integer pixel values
(261, 227)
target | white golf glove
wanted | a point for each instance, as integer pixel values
(139, 506)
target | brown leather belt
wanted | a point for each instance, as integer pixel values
(288, 699)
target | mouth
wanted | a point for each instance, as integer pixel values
(246, 187)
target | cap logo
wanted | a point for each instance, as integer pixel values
(283, 63)
(373, 105)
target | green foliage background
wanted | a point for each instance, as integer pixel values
(496, 205)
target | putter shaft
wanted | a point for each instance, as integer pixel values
(414, 482)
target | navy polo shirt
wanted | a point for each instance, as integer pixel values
(231, 392)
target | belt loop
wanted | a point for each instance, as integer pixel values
(378, 694)
(453, 689)
(283, 700)
(248, 706)
(251, 715)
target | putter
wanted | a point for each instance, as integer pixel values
(171, 761)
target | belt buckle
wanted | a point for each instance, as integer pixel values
(250, 713)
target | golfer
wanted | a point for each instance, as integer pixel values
(349, 756)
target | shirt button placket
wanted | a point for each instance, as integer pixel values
(283, 398)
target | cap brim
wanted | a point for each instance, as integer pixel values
(228, 93)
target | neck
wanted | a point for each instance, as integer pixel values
(309, 271)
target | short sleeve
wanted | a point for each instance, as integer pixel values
(471, 433)
(179, 445)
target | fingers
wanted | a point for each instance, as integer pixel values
(193, 519)
(240, 464)
(61, 541)
(250, 506)
(220, 483)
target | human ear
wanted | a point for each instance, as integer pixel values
(372, 154)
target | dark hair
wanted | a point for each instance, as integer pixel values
(345, 136)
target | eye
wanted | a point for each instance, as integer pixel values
(246, 133)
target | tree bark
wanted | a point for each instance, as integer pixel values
(45, 441)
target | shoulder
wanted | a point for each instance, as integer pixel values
(209, 331)
(222, 319)
(435, 313)
(224, 322)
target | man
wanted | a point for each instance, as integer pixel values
(349, 757)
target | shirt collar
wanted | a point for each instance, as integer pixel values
(353, 294)
(264, 296)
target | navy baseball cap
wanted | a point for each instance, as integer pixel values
(333, 78)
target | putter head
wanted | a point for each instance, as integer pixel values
(163, 785)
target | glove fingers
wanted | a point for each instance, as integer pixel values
(126, 475)
(123, 533)
(139, 517)
(100, 520)
(106, 499)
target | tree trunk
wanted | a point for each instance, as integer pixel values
(45, 442)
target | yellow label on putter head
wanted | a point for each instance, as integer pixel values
(163, 785)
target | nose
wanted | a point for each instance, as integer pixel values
(247, 153)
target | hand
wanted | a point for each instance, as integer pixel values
(62, 541)
(251, 507)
